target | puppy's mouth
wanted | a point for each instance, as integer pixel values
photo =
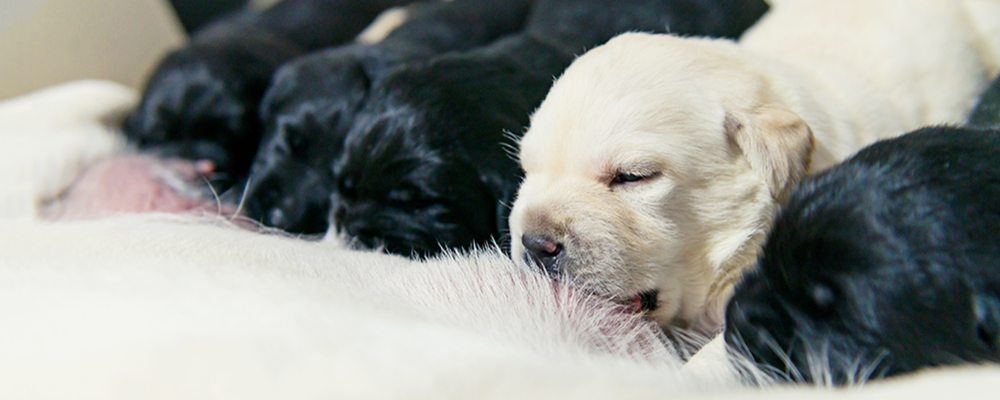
(645, 301)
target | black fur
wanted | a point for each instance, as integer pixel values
(987, 112)
(202, 100)
(427, 164)
(311, 104)
(882, 265)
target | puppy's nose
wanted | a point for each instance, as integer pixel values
(308, 219)
(362, 232)
(276, 217)
(543, 250)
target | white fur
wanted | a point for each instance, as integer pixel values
(51, 135)
(132, 306)
(724, 130)
(142, 307)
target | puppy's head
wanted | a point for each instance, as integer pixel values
(306, 113)
(876, 268)
(425, 165)
(397, 189)
(652, 170)
(402, 185)
(201, 102)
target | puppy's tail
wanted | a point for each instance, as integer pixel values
(986, 115)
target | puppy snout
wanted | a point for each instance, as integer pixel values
(751, 317)
(544, 251)
(288, 213)
(275, 217)
(361, 231)
(283, 214)
(761, 330)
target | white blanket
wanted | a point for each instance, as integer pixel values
(160, 306)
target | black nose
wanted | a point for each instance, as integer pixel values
(544, 251)
(294, 217)
(276, 217)
(361, 230)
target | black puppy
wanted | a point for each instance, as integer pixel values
(427, 165)
(201, 101)
(882, 265)
(312, 101)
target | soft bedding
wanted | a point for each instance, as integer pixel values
(184, 303)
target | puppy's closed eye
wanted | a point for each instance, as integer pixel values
(628, 177)
(631, 178)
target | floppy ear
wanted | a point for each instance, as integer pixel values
(776, 142)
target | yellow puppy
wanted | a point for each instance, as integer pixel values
(656, 163)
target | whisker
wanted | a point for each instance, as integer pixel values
(818, 362)
(791, 372)
(243, 197)
(866, 372)
(215, 195)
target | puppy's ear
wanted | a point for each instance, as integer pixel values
(776, 142)
(987, 310)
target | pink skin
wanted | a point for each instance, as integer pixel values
(140, 184)
(626, 316)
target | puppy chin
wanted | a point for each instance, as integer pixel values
(374, 226)
(630, 287)
(293, 198)
(810, 354)
(401, 244)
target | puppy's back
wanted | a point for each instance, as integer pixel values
(922, 55)
(961, 167)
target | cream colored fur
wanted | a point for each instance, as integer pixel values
(722, 130)
(383, 25)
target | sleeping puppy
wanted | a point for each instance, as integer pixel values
(311, 104)
(656, 163)
(885, 264)
(426, 164)
(201, 101)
